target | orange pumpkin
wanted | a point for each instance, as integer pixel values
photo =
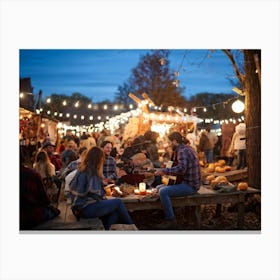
(222, 162)
(220, 179)
(227, 168)
(210, 170)
(242, 186)
(211, 166)
(219, 169)
(201, 163)
(210, 178)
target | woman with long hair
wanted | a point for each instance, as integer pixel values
(46, 169)
(88, 196)
(43, 165)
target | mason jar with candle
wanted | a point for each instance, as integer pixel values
(142, 188)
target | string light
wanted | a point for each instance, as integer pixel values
(237, 106)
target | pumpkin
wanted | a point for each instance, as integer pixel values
(222, 162)
(219, 169)
(242, 186)
(210, 178)
(210, 170)
(220, 179)
(227, 168)
(211, 166)
(201, 163)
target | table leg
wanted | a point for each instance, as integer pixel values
(218, 210)
(197, 214)
(241, 212)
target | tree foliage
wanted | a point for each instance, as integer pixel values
(121, 96)
(153, 76)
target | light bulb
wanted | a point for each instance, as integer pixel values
(237, 106)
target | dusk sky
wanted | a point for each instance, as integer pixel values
(98, 73)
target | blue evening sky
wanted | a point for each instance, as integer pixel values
(98, 73)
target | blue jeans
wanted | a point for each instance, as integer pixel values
(209, 156)
(111, 211)
(166, 192)
(241, 159)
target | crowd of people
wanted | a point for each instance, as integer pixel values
(81, 167)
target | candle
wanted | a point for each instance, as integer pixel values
(142, 188)
(136, 191)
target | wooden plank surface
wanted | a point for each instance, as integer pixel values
(233, 175)
(204, 196)
(67, 221)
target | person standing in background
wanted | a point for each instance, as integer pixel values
(213, 139)
(238, 145)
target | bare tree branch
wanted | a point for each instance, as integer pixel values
(240, 77)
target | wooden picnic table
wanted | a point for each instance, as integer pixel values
(204, 196)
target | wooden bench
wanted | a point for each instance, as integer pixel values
(67, 221)
(203, 197)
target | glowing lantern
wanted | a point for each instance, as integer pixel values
(237, 106)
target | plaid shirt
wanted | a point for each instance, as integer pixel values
(187, 165)
(110, 168)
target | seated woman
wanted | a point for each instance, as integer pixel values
(88, 196)
(43, 165)
(35, 206)
(46, 169)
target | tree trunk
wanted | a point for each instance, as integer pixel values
(252, 60)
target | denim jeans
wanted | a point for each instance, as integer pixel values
(111, 211)
(209, 155)
(165, 192)
(241, 159)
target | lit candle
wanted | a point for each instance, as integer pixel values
(142, 188)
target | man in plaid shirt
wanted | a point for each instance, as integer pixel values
(109, 167)
(186, 167)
